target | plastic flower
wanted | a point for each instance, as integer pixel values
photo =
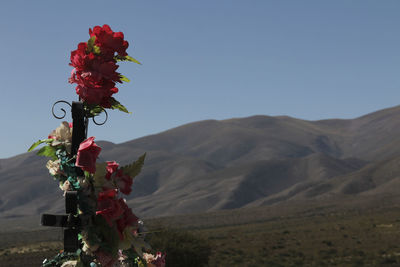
(66, 186)
(54, 167)
(62, 135)
(122, 181)
(94, 75)
(109, 207)
(109, 42)
(148, 257)
(159, 261)
(95, 66)
(154, 261)
(69, 264)
(127, 219)
(87, 154)
(62, 132)
(111, 168)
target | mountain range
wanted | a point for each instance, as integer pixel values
(241, 162)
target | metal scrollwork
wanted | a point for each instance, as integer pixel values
(100, 123)
(64, 113)
(62, 109)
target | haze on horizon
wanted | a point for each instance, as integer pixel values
(201, 60)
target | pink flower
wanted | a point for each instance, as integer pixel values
(87, 154)
(109, 207)
(154, 261)
(159, 260)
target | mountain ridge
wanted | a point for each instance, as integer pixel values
(240, 162)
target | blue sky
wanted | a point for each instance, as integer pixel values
(201, 60)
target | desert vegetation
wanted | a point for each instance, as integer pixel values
(308, 237)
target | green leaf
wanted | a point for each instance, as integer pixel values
(90, 43)
(96, 50)
(127, 58)
(134, 169)
(95, 110)
(99, 176)
(48, 141)
(48, 151)
(87, 174)
(91, 47)
(124, 79)
(131, 59)
(116, 105)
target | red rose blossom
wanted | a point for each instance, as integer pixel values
(109, 207)
(95, 77)
(95, 70)
(109, 41)
(111, 167)
(122, 181)
(127, 219)
(87, 154)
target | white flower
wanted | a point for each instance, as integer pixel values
(69, 264)
(54, 167)
(66, 186)
(148, 257)
(63, 132)
(62, 136)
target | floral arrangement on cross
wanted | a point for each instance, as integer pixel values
(110, 234)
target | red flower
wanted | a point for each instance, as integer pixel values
(95, 67)
(111, 167)
(109, 41)
(127, 219)
(95, 77)
(87, 154)
(79, 57)
(123, 181)
(109, 207)
(94, 92)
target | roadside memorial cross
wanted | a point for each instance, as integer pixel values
(71, 220)
(100, 227)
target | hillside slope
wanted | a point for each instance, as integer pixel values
(212, 165)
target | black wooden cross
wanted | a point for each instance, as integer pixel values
(71, 220)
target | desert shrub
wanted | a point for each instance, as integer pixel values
(327, 242)
(182, 247)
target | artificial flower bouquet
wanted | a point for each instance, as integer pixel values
(111, 235)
